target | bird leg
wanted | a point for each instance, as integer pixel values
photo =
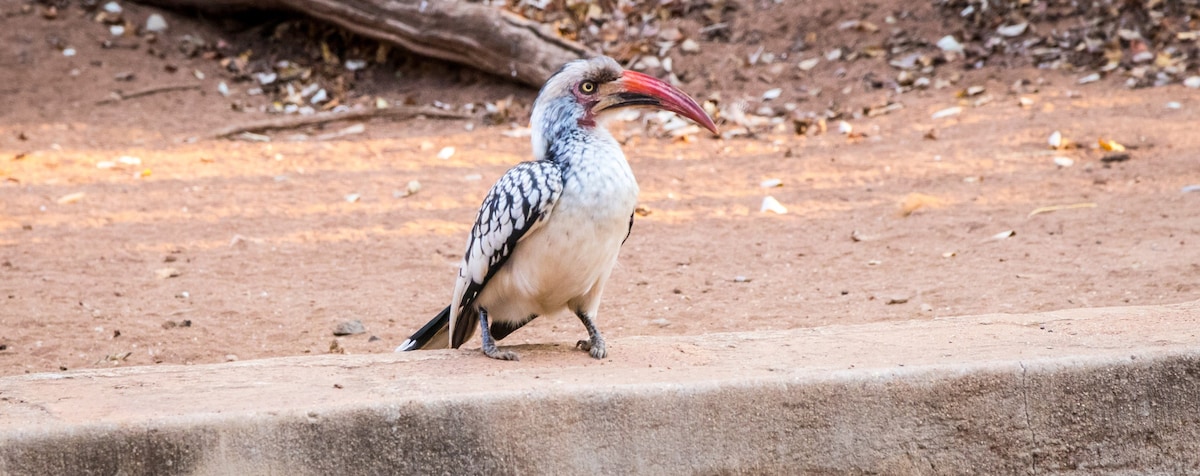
(595, 343)
(489, 345)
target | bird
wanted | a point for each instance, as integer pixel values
(549, 231)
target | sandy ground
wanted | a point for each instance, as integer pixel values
(213, 250)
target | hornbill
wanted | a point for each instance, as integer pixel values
(549, 231)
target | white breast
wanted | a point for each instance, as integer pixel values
(578, 245)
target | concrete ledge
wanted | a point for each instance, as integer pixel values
(1113, 391)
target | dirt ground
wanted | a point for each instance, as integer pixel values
(211, 250)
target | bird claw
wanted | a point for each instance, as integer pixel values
(597, 350)
(501, 354)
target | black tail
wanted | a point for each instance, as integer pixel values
(428, 336)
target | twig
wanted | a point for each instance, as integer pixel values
(1054, 208)
(120, 96)
(293, 122)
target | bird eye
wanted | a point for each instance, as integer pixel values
(587, 87)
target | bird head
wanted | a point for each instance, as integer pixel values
(583, 92)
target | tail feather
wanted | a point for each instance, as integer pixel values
(432, 336)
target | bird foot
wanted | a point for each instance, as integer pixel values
(597, 349)
(498, 354)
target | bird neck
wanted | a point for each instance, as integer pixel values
(559, 133)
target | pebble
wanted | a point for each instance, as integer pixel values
(347, 328)
(320, 97)
(1192, 82)
(950, 44)
(770, 204)
(156, 23)
(1013, 30)
(689, 46)
(112, 7)
(266, 78)
(446, 153)
(1055, 140)
(660, 322)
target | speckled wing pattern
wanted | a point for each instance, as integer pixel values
(516, 205)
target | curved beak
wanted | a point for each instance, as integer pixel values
(637, 89)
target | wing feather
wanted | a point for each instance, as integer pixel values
(517, 204)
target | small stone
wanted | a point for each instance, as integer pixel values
(1055, 140)
(320, 97)
(156, 23)
(660, 322)
(446, 153)
(809, 64)
(266, 78)
(348, 328)
(412, 188)
(770, 204)
(112, 7)
(1192, 82)
(1012, 30)
(689, 46)
(165, 273)
(231, 358)
(950, 44)
(1063, 161)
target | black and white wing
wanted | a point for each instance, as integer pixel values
(517, 204)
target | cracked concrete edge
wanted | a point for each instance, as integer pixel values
(1063, 416)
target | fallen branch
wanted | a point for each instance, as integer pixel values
(474, 34)
(120, 96)
(298, 121)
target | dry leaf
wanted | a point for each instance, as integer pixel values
(1111, 145)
